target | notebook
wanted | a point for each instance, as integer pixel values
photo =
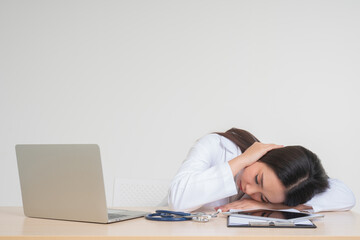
(290, 218)
(247, 222)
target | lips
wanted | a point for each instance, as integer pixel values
(240, 187)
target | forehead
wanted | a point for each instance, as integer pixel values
(273, 188)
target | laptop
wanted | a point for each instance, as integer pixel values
(65, 182)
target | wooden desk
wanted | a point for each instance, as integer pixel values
(14, 225)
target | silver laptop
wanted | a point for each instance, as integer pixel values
(65, 182)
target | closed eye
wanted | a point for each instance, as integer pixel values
(256, 179)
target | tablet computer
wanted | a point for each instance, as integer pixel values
(273, 215)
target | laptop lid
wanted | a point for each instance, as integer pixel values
(62, 182)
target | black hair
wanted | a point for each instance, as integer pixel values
(299, 169)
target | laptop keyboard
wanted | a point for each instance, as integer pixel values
(115, 215)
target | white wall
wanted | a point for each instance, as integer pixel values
(145, 79)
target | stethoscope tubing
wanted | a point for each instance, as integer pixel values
(169, 216)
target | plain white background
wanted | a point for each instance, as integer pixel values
(146, 79)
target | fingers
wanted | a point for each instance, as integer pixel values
(274, 146)
(223, 208)
(242, 204)
(257, 150)
(265, 147)
(227, 207)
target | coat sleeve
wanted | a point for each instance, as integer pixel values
(338, 197)
(204, 177)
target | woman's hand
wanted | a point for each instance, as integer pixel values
(257, 150)
(251, 155)
(243, 204)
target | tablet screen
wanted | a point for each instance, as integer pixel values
(285, 215)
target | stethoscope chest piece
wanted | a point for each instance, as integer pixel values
(171, 216)
(203, 218)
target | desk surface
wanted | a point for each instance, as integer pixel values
(336, 225)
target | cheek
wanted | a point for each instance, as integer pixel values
(280, 197)
(256, 197)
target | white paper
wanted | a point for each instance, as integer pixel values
(245, 221)
(236, 220)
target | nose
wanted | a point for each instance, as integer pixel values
(250, 189)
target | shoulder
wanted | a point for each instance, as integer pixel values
(215, 141)
(209, 139)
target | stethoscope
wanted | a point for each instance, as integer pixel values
(172, 216)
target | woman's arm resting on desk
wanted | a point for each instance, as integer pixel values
(337, 198)
(248, 203)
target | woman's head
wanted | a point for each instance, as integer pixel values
(299, 170)
(291, 175)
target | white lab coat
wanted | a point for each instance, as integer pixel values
(205, 180)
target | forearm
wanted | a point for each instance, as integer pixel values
(338, 197)
(300, 207)
(248, 203)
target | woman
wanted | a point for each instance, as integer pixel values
(233, 170)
